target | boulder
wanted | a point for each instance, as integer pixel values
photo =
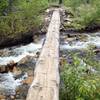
(7, 41)
(27, 62)
(7, 68)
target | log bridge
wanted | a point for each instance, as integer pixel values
(45, 85)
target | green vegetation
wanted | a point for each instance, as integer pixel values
(20, 16)
(91, 59)
(78, 84)
(85, 12)
(80, 80)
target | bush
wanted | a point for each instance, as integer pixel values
(85, 12)
(3, 6)
(23, 16)
(78, 83)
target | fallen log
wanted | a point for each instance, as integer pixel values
(45, 85)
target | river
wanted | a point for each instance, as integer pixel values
(11, 81)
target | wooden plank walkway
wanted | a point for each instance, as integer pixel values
(45, 85)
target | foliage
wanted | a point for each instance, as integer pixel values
(78, 82)
(85, 12)
(3, 6)
(22, 16)
(91, 58)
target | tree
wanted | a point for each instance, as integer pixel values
(60, 1)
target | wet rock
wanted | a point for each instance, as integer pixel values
(97, 54)
(36, 38)
(27, 62)
(47, 18)
(11, 67)
(8, 40)
(37, 54)
(28, 80)
(97, 33)
(62, 61)
(17, 71)
(3, 69)
(21, 75)
(22, 91)
(4, 52)
(2, 97)
(12, 97)
(97, 51)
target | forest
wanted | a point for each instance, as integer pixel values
(23, 26)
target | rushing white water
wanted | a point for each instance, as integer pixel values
(7, 81)
(8, 84)
(30, 49)
(21, 52)
(91, 40)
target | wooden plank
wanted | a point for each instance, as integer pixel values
(45, 85)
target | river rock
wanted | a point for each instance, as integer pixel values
(9, 40)
(4, 52)
(97, 56)
(21, 92)
(3, 69)
(2, 97)
(97, 50)
(28, 80)
(27, 62)
(8, 68)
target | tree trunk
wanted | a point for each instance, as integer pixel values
(45, 85)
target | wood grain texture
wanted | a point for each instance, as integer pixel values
(45, 85)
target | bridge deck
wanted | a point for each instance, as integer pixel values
(45, 85)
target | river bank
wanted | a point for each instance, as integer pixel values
(22, 60)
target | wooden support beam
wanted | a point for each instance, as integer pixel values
(45, 85)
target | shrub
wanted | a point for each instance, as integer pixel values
(86, 12)
(3, 6)
(23, 16)
(77, 83)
